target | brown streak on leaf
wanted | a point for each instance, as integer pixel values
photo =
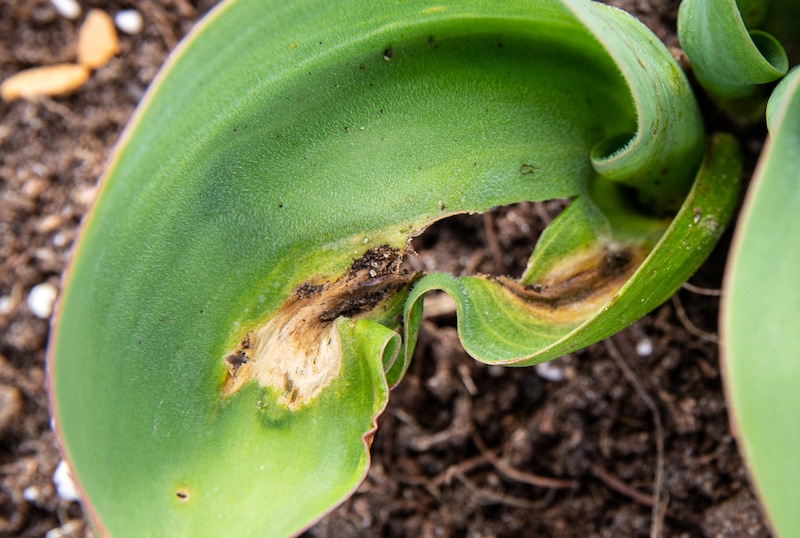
(579, 286)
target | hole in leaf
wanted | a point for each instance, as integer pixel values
(463, 244)
(182, 494)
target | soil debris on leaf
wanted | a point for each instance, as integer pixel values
(581, 284)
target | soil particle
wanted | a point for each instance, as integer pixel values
(739, 516)
(10, 409)
(379, 261)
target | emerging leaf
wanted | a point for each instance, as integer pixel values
(730, 61)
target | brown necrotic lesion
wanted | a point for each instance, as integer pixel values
(577, 286)
(297, 353)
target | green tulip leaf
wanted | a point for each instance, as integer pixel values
(727, 60)
(231, 319)
(779, 18)
(761, 313)
(579, 302)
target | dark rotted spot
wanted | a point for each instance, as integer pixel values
(236, 360)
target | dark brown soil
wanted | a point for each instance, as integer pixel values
(580, 448)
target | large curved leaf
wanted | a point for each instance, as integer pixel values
(229, 324)
(761, 314)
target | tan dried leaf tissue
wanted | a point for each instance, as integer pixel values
(97, 39)
(50, 80)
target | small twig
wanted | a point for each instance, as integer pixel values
(433, 485)
(658, 486)
(471, 267)
(619, 486)
(465, 466)
(705, 459)
(60, 110)
(406, 418)
(702, 291)
(185, 9)
(663, 509)
(458, 429)
(493, 243)
(466, 379)
(487, 496)
(541, 212)
(15, 260)
(418, 480)
(688, 325)
(15, 298)
(514, 474)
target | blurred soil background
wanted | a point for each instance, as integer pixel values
(583, 446)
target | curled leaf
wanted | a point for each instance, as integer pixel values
(729, 61)
(581, 302)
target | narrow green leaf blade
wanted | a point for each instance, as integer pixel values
(761, 315)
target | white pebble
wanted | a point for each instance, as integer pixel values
(70, 9)
(31, 494)
(62, 479)
(60, 239)
(68, 529)
(129, 21)
(549, 371)
(41, 299)
(6, 305)
(644, 347)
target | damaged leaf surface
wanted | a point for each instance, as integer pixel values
(509, 323)
(230, 323)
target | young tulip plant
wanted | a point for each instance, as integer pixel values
(236, 312)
